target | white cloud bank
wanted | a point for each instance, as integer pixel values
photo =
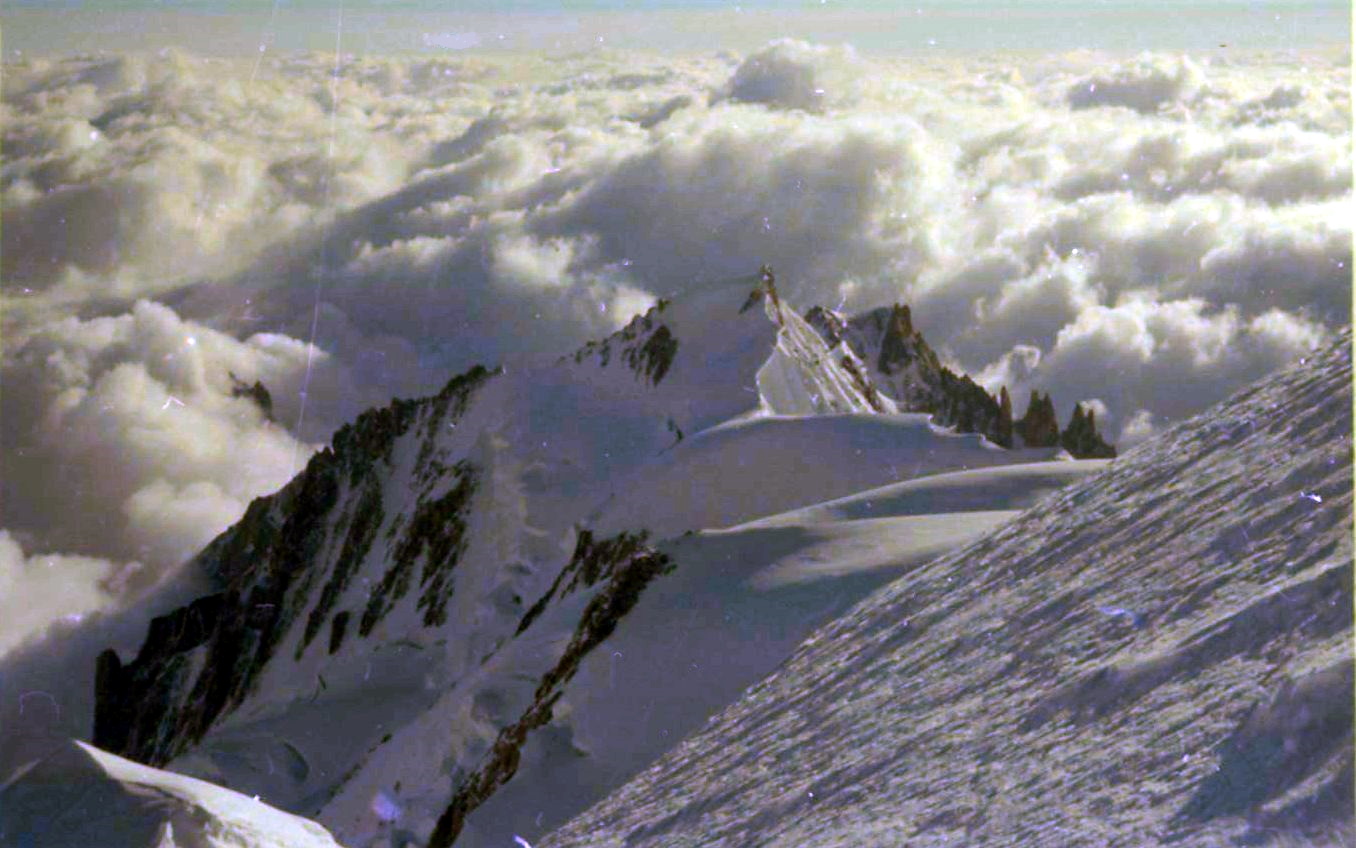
(1150, 232)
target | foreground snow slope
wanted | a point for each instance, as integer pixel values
(78, 795)
(1161, 653)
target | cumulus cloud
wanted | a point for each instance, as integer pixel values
(795, 75)
(130, 442)
(1149, 233)
(1146, 85)
(130, 175)
(1157, 358)
(40, 589)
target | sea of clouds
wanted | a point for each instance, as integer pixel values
(1148, 233)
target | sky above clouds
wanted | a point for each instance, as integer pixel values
(1145, 229)
(239, 27)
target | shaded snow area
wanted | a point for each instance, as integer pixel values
(477, 613)
(77, 795)
(1159, 654)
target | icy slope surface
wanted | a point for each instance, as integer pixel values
(78, 795)
(387, 630)
(734, 609)
(1161, 653)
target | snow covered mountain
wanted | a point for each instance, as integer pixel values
(1159, 654)
(426, 610)
(79, 795)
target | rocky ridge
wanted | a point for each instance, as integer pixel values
(907, 370)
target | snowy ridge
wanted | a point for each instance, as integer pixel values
(80, 795)
(1158, 654)
(386, 634)
(787, 387)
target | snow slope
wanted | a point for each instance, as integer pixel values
(735, 608)
(1160, 653)
(78, 795)
(388, 631)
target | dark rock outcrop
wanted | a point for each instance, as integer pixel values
(910, 372)
(901, 345)
(646, 345)
(967, 407)
(1039, 428)
(1081, 438)
(258, 393)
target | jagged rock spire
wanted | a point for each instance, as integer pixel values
(909, 372)
(1004, 433)
(258, 393)
(767, 281)
(901, 345)
(901, 320)
(1039, 428)
(1081, 438)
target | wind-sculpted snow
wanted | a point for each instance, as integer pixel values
(1160, 653)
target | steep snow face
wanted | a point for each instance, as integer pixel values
(80, 795)
(387, 630)
(1160, 653)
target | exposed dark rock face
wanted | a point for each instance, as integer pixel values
(362, 531)
(257, 393)
(591, 561)
(1039, 428)
(647, 346)
(437, 535)
(901, 345)
(653, 358)
(862, 382)
(967, 407)
(831, 326)
(200, 662)
(338, 627)
(909, 371)
(1004, 417)
(1081, 438)
(627, 566)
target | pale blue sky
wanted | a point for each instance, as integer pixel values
(393, 26)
